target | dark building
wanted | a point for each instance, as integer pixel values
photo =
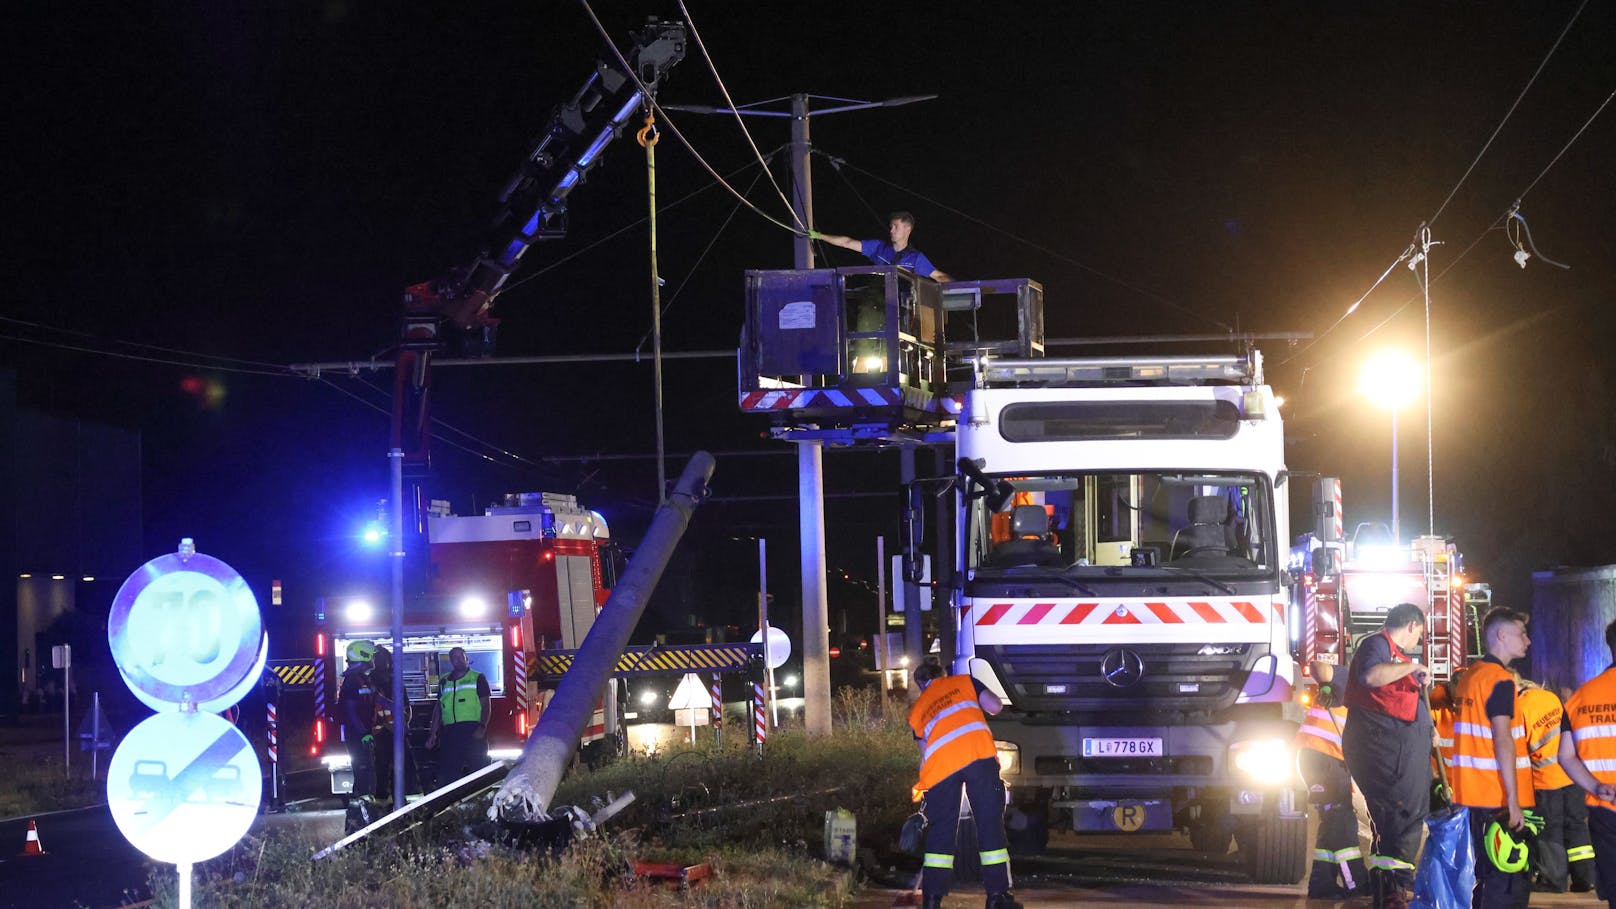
(74, 491)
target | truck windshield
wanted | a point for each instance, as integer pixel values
(1136, 524)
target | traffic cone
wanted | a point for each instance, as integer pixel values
(30, 845)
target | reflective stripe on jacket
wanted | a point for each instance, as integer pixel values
(1592, 711)
(1541, 715)
(458, 700)
(1475, 770)
(952, 728)
(1321, 731)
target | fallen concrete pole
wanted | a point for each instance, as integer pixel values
(525, 795)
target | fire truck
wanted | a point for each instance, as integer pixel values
(525, 577)
(1345, 586)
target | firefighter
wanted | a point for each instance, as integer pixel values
(1387, 744)
(1338, 865)
(1562, 853)
(461, 719)
(381, 674)
(1492, 774)
(1588, 756)
(949, 720)
(356, 707)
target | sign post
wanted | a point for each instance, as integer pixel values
(62, 658)
(188, 639)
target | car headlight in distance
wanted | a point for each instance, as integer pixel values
(1009, 757)
(1269, 761)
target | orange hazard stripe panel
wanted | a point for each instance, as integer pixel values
(1154, 613)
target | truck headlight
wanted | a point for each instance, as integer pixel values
(1269, 761)
(1009, 757)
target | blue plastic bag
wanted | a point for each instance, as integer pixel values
(1446, 873)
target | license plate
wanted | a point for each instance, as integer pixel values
(1122, 748)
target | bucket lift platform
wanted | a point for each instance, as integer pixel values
(874, 354)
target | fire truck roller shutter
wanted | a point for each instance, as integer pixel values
(575, 597)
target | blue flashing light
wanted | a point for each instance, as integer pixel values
(374, 534)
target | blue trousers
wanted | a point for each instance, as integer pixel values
(980, 782)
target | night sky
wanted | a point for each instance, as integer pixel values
(260, 182)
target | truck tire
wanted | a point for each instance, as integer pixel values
(1026, 829)
(1211, 836)
(1275, 849)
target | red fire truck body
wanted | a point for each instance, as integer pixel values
(525, 576)
(1345, 588)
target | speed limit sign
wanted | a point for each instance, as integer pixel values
(185, 630)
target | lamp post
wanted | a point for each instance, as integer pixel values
(1391, 379)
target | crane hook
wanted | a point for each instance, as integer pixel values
(648, 134)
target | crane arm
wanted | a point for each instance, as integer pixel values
(532, 207)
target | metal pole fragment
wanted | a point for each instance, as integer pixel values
(396, 458)
(526, 792)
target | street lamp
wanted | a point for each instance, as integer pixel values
(1391, 379)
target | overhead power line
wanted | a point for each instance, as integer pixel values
(1507, 114)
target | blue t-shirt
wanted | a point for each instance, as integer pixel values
(883, 254)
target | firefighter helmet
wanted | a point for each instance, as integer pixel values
(1506, 848)
(361, 651)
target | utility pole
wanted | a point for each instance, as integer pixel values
(810, 454)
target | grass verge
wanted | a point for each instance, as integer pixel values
(758, 821)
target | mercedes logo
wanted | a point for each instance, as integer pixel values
(1122, 668)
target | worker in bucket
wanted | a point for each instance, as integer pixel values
(460, 722)
(896, 252)
(949, 720)
(356, 709)
(1387, 744)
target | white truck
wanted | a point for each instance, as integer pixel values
(1124, 540)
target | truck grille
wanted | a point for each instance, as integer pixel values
(1165, 678)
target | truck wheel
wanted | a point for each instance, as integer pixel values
(1275, 849)
(1211, 836)
(1026, 829)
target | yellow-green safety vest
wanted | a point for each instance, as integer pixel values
(458, 701)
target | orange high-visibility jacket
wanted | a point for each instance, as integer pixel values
(1475, 773)
(1592, 711)
(949, 721)
(1541, 714)
(1321, 730)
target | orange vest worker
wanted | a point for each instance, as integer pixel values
(1475, 773)
(1321, 730)
(1541, 715)
(952, 727)
(1592, 711)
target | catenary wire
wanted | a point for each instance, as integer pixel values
(713, 241)
(138, 344)
(672, 127)
(165, 361)
(621, 230)
(739, 120)
(1497, 224)
(1518, 98)
(1038, 246)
